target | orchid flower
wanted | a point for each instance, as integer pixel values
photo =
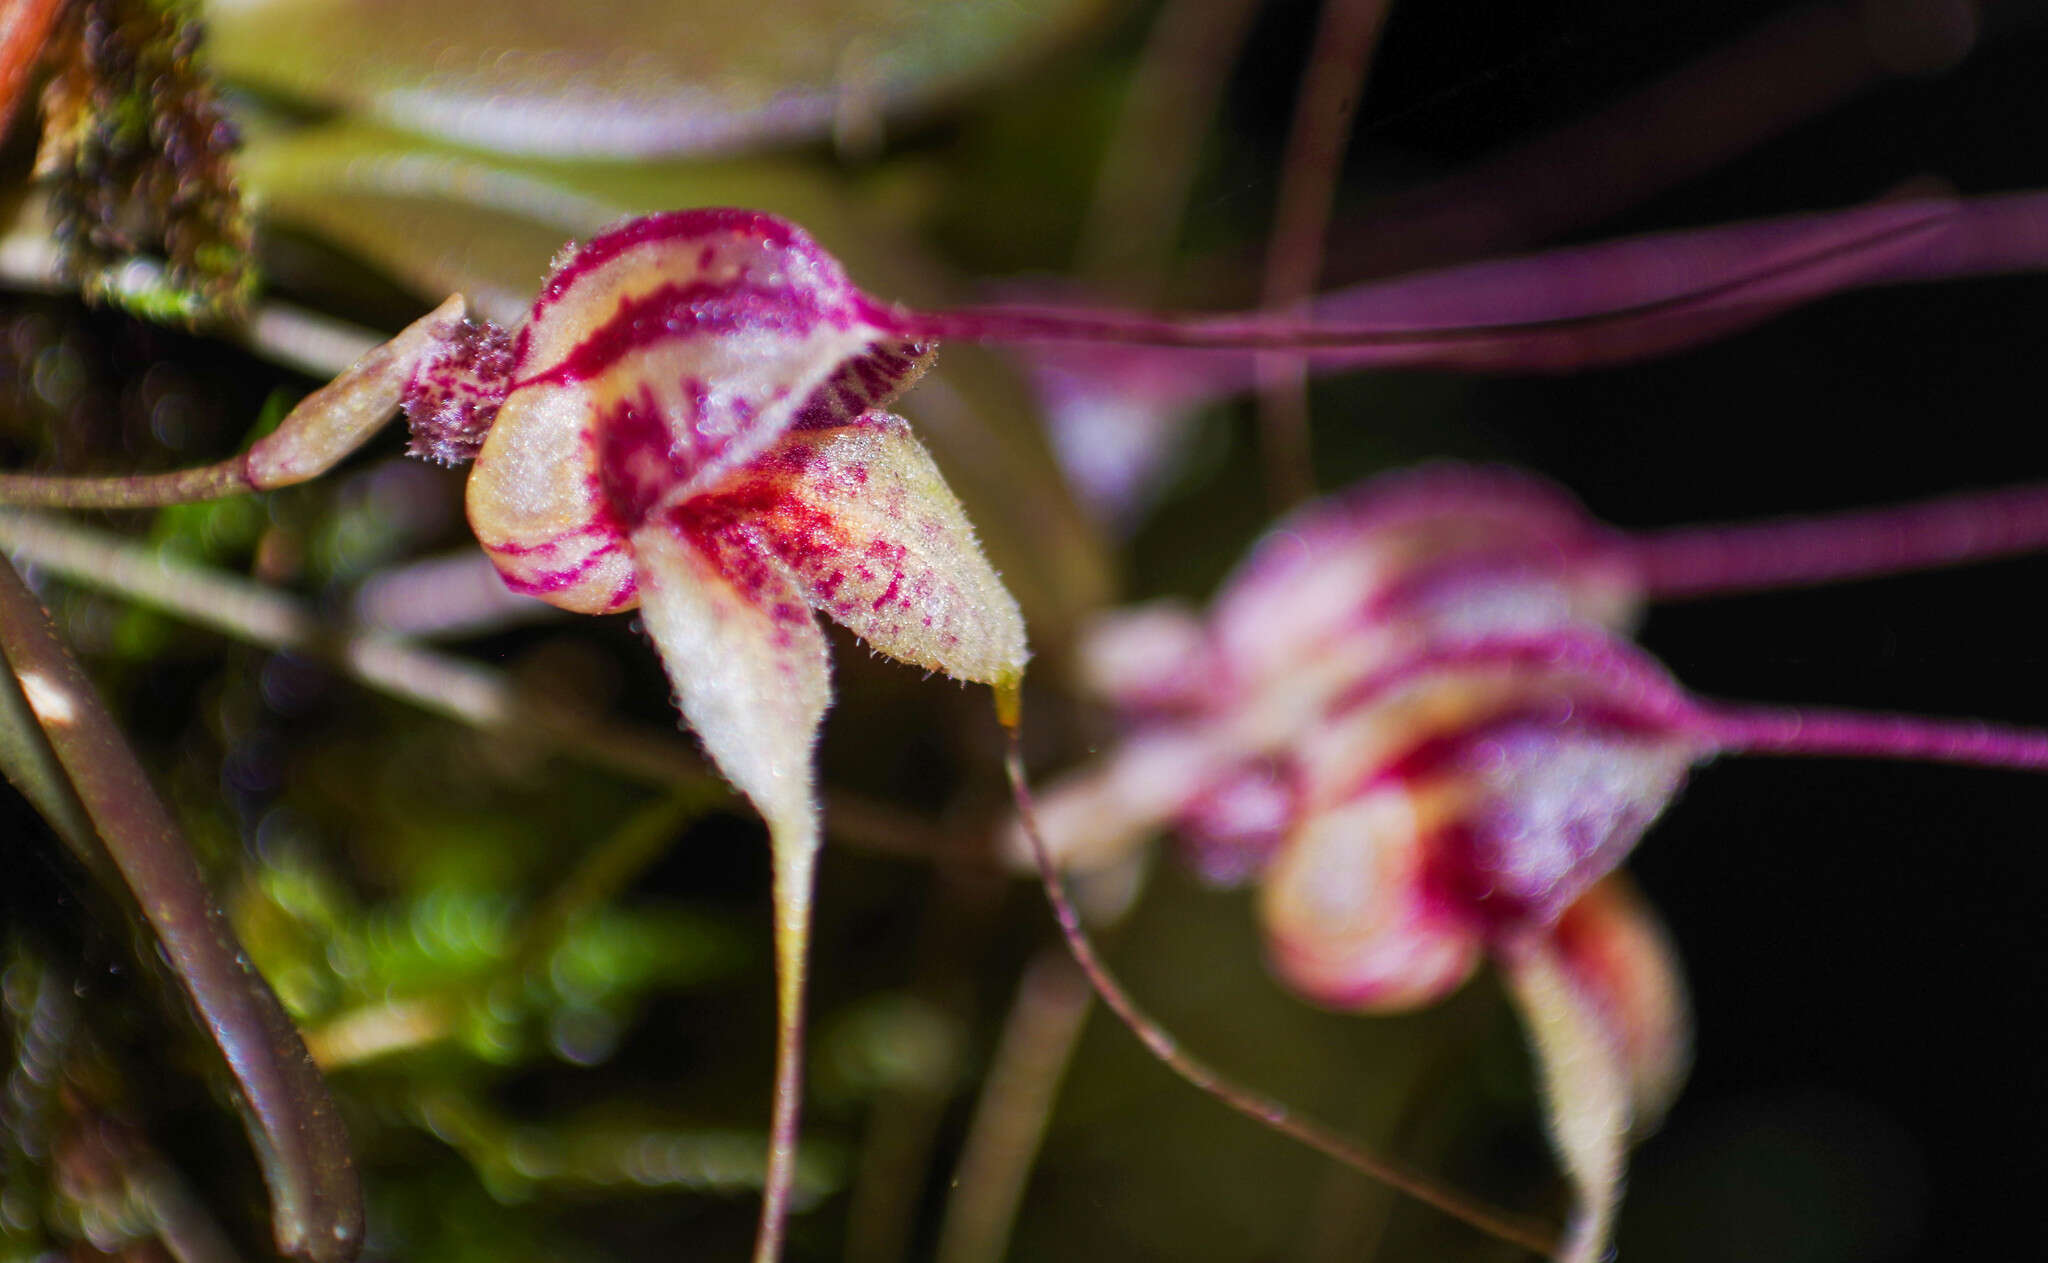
(691, 423)
(1414, 718)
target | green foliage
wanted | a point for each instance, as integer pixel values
(138, 153)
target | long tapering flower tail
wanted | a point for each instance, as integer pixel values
(748, 664)
(1604, 1003)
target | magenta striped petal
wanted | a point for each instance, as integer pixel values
(859, 515)
(659, 358)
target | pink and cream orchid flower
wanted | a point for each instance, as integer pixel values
(690, 421)
(1414, 719)
(1362, 724)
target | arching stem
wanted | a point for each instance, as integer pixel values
(1540, 1239)
(1743, 729)
(1799, 551)
(1765, 285)
(136, 491)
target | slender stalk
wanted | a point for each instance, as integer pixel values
(1010, 1118)
(291, 1120)
(1632, 681)
(131, 491)
(1540, 1239)
(1741, 729)
(1149, 164)
(1268, 331)
(1341, 52)
(1696, 561)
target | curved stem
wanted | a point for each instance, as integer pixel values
(1260, 1108)
(1745, 729)
(291, 1120)
(1763, 284)
(1798, 551)
(134, 491)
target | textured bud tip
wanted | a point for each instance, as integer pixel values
(453, 398)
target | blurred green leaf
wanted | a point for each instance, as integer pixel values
(633, 77)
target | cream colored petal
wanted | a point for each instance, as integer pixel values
(748, 664)
(1616, 945)
(747, 660)
(861, 516)
(1349, 922)
(1607, 1018)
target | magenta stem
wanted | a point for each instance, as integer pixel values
(1847, 734)
(1796, 552)
(1285, 331)
(1260, 1108)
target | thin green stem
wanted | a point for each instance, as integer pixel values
(1017, 1095)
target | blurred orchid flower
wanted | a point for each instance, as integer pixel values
(1413, 716)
